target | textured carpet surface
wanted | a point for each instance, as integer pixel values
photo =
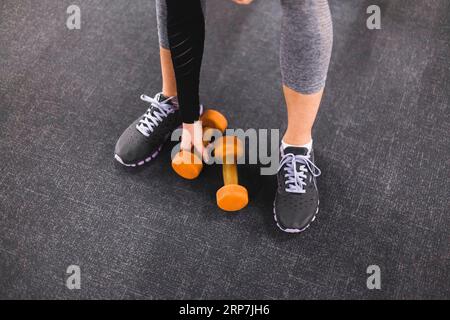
(381, 138)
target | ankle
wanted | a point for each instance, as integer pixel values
(297, 140)
(169, 93)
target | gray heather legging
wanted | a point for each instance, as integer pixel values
(305, 46)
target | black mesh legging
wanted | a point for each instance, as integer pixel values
(186, 35)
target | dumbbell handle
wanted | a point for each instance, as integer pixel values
(230, 174)
(232, 196)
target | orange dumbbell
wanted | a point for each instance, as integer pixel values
(232, 196)
(186, 163)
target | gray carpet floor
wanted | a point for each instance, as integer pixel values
(381, 139)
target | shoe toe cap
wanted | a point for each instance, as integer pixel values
(294, 214)
(131, 146)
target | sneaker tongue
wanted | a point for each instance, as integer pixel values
(298, 151)
(160, 97)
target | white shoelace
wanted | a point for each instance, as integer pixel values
(154, 115)
(295, 179)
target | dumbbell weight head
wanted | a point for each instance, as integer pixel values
(187, 164)
(232, 197)
(214, 119)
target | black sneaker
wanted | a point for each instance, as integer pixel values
(144, 138)
(297, 198)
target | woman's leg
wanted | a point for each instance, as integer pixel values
(306, 42)
(136, 147)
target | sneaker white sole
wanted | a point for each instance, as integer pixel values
(139, 163)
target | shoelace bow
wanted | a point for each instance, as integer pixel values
(154, 115)
(295, 179)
